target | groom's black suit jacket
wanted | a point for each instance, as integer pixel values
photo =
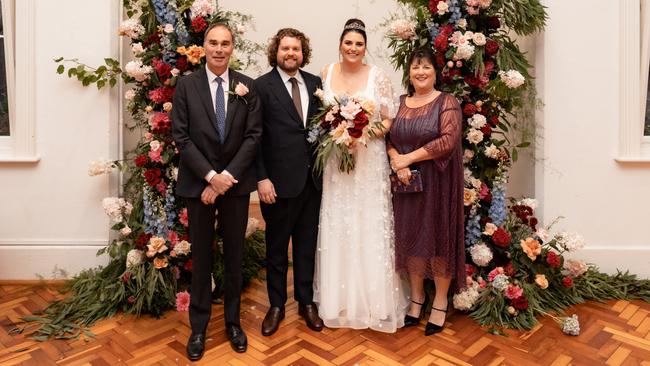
(285, 157)
(201, 150)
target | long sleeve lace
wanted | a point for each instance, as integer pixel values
(388, 102)
(450, 120)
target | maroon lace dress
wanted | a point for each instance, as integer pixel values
(429, 226)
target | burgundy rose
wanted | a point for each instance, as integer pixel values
(470, 270)
(141, 161)
(469, 109)
(520, 303)
(188, 266)
(553, 259)
(501, 238)
(567, 282)
(199, 24)
(491, 47)
(354, 132)
(487, 130)
(152, 176)
(440, 60)
(153, 38)
(163, 70)
(509, 269)
(142, 240)
(493, 22)
(181, 64)
(493, 120)
(532, 222)
(479, 82)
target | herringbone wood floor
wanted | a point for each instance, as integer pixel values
(614, 333)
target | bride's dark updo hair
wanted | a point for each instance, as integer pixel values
(354, 25)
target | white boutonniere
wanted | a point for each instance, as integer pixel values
(319, 94)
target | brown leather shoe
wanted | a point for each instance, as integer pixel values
(310, 314)
(272, 320)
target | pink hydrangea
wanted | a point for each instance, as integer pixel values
(182, 301)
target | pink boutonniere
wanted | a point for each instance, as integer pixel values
(239, 91)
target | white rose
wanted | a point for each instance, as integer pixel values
(474, 136)
(182, 247)
(169, 28)
(490, 228)
(443, 8)
(167, 106)
(137, 48)
(512, 78)
(479, 39)
(462, 23)
(134, 258)
(129, 94)
(477, 121)
(125, 230)
(154, 145)
(492, 152)
(175, 72)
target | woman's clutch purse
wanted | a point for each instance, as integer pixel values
(414, 186)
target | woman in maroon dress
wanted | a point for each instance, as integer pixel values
(429, 236)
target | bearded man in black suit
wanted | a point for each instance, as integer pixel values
(217, 128)
(289, 190)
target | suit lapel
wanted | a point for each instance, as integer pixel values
(283, 96)
(203, 86)
(232, 106)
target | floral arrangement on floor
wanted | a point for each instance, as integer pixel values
(149, 267)
(516, 270)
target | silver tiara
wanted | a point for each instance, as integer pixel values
(356, 26)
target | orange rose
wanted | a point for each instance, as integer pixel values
(469, 196)
(194, 53)
(531, 247)
(160, 262)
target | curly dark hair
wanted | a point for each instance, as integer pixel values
(272, 49)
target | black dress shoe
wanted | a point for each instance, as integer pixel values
(272, 320)
(434, 328)
(195, 346)
(237, 338)
(310, 314)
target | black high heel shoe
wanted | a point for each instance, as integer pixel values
(434, 328)
(410, 321)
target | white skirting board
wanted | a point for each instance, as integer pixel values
(636, 259)
(48, 259)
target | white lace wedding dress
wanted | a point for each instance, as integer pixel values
(355, 284)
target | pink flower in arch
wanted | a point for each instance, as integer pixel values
(514, 292)
(182, 301)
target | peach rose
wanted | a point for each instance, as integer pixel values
(541, 281)
(160, 262)
(531, 247)
(156, 245)
(469, 196)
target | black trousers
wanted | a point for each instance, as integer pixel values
(232, 218)
(295, 218)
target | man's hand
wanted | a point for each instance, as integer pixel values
(266, 191)
(220, 183)
(208, 196)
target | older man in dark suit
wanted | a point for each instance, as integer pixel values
(217, 129)
(287, 186)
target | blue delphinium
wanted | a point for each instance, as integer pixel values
(473, 230)
(434, 29)
(498, 207)
(181, 34)
(454, 11)
(170, 208)
(165, 11)
(153, 215)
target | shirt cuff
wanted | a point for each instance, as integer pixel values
(226, 173)
(210, 175)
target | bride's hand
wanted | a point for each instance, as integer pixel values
(399, 161)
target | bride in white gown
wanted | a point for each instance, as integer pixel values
(355, 283)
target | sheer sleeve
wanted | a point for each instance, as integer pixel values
(450, 122)
(385, 94)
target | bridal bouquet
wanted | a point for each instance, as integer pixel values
(339, 127)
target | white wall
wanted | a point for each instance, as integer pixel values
(576, 174)
(50, 211)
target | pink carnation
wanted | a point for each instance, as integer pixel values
(182, 301)
(154, 155)
(172, 236)
(182, 217)
(494, 273)
(514, 292)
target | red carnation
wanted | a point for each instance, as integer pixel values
(441, 43)
(433, 6)
(493, 22)
(141, 161)
(160, 123)
(447, 29)
(199, 24)
(470, 270)
(142, 240)
(567, 282)
(553, 259)
(487, 130)
(491, 47)
(469, 109)
(520, 303)
(501, 238)
(509, 269)
(152, 176)
(162, 95)
(532, 222)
